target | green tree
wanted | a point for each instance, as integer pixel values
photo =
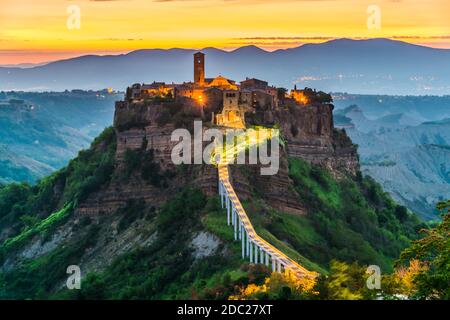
(345, 282)
(434, 250)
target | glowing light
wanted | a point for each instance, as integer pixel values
(299, 96)
(225, 153)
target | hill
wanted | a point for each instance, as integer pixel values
(141, 228)
(378, 66)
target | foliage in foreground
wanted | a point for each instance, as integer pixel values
(281, 286)
(433, 252)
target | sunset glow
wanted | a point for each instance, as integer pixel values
(37, 31)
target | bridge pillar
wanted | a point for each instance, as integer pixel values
(221, 193)
(242, 231)
(228, 209)
(279, 266)
(251, 252)
(267, 259)
(226, 198)
(240, 228)
(256, 253)
(235, 224)
(262, 255)
(247, 245)
(232, 214)
(273, 264)
(243, 241)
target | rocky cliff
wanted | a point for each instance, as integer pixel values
(147, 127)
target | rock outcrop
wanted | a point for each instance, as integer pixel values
(307, 131)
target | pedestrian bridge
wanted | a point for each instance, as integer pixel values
(255, 248)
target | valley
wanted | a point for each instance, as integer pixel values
(41, 132)
(404, 143)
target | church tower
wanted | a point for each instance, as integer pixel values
(199, 68)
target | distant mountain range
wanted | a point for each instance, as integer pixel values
(377, 66)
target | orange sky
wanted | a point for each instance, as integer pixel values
(36, 30)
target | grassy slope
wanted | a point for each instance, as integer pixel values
(348, 220)
(23, 206)
(35, 211)
(167, 269)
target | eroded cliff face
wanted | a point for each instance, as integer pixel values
(311, 135)
(308, 133)
(140, 129)
(275, 190)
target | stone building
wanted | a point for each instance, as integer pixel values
(199, 68)
(233, 112)
(146, 91)
(221, 98)
(262, 95)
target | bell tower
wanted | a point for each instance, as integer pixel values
(199, 68)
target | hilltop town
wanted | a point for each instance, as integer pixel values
(146, 118)
(222, 100)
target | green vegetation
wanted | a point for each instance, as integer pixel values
(133, 210)
(18, 200)
(166, 269)
(44, 226)
(347, 220)
(355, 219)
(36, 279)
(157, 271)
(345, 282)
(433, 251)
(351, 221)
(22, 206)
(314, 96)
(142, 162)
(91, 169)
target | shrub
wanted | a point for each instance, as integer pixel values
(353, 218)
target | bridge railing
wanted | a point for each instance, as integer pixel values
(254, 247)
